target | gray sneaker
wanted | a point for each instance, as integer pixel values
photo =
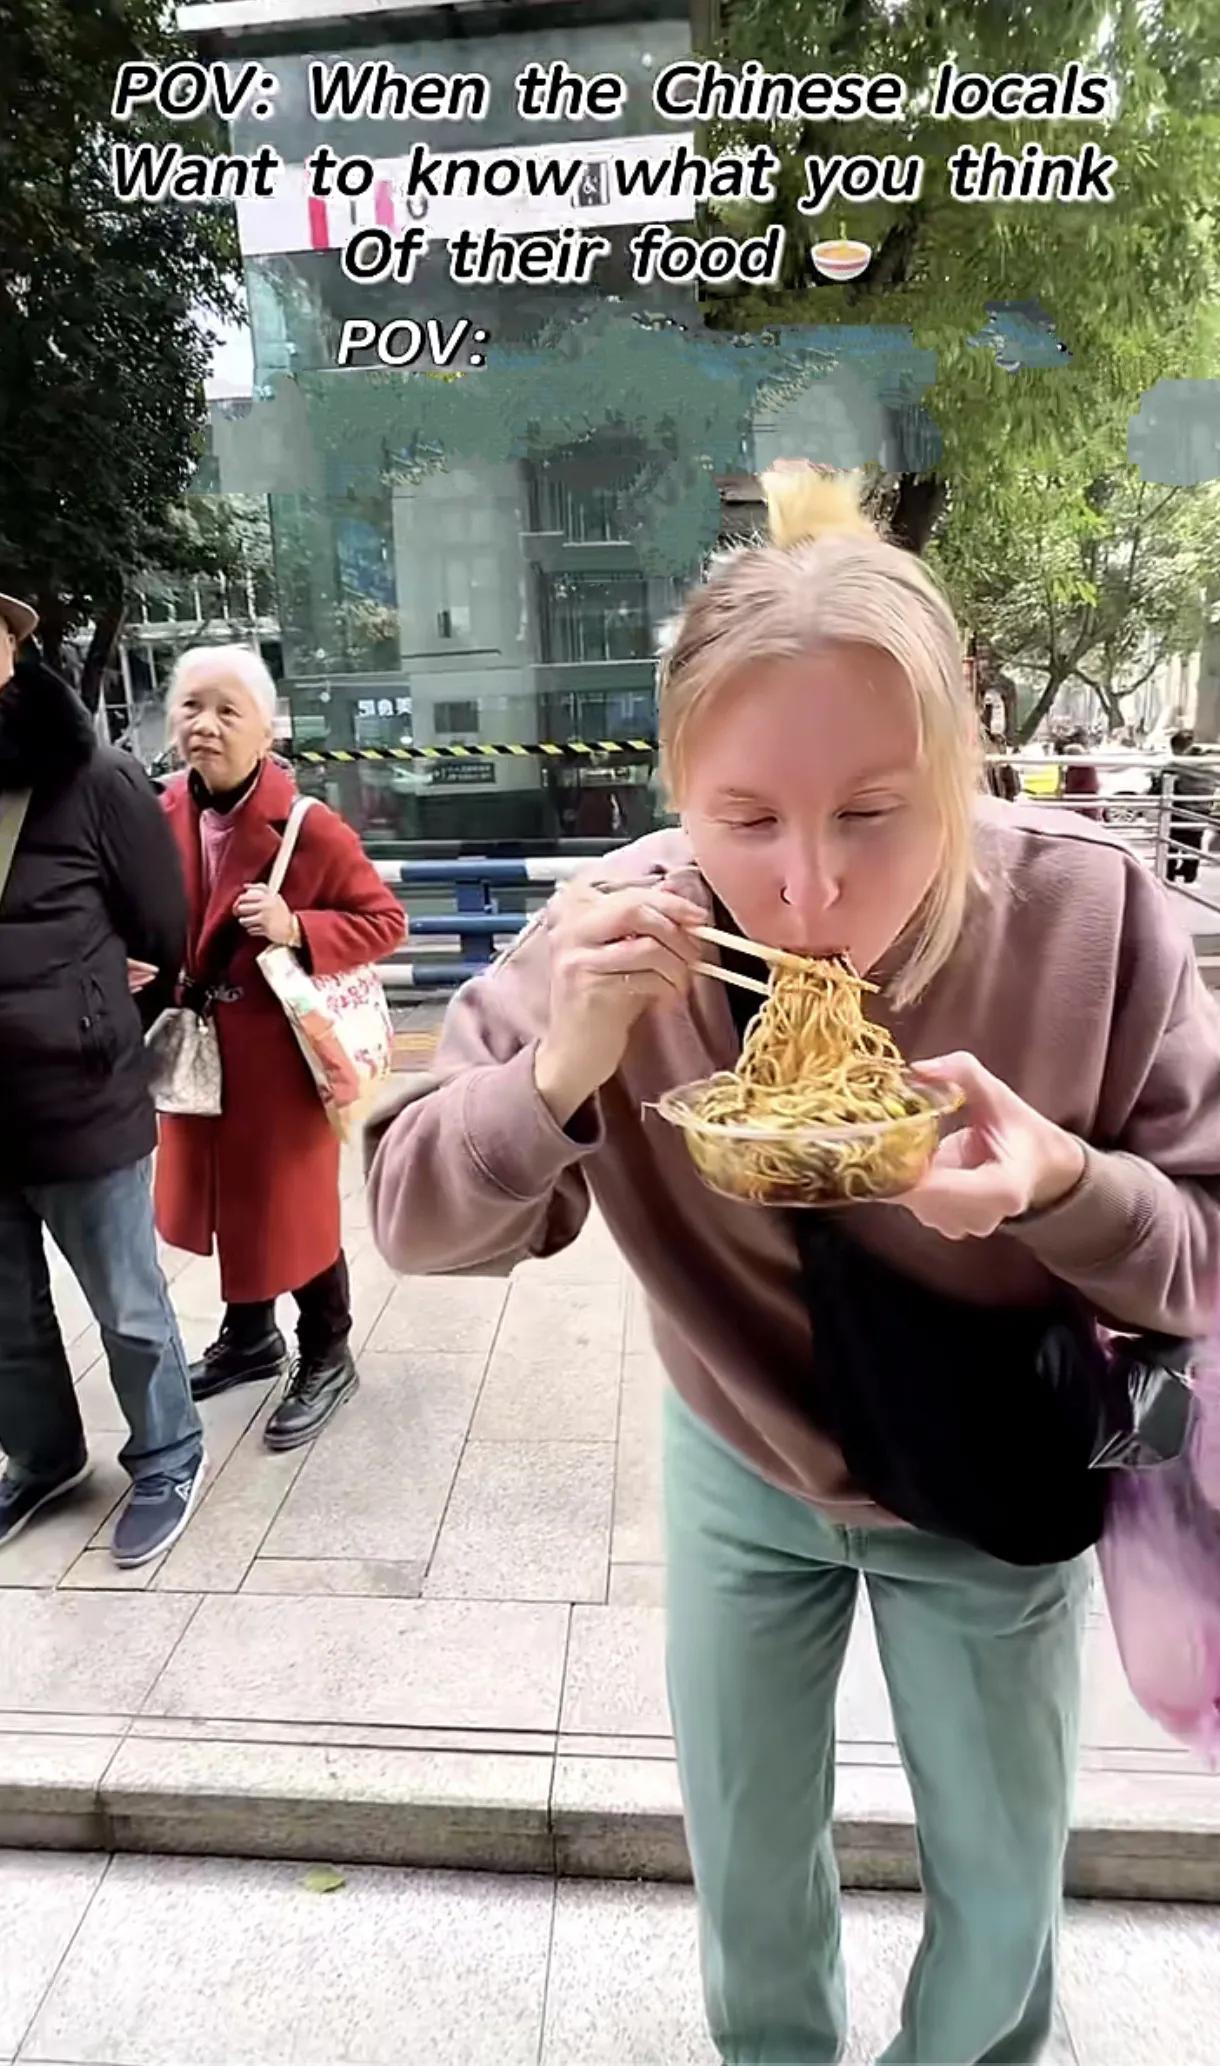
(155, 1514)
(22, 1498)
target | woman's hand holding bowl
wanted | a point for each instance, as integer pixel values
(1004, 1161)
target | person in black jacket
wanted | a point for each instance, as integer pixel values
(89, 884)
(1195, 788)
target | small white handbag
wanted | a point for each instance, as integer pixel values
(185, 1072)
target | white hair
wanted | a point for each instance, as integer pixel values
(234, 663)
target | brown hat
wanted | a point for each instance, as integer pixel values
(19, 617)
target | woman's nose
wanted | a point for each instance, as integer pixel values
(811, 885)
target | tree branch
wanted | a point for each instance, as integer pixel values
(1042, 704)
(1174, 495)
(1138, 683)
(1087, 639)
(890, 261)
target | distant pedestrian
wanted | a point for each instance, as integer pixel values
(261, 1182)
(1197, 789)
(89, 882)
(1081, 779)
(1004, 781)
(1002, 778)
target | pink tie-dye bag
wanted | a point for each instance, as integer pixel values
(1160, 1560)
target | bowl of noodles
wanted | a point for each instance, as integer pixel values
(841, 258)
(820, 1110)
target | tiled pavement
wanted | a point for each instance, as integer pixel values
(219, 1962)
(448, 1612)
(416, 1032)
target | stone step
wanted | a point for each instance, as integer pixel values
(600, 1811)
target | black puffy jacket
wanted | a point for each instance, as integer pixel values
(95, 880)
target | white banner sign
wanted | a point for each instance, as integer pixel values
(293, 220)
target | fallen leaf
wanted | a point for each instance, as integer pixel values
(323, 1879)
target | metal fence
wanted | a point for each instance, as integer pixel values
(465, 907)
(1175, 832)
(488, 902)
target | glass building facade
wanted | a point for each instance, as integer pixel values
(459, 598)
(488, 555)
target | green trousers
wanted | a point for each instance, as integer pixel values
(982, 1662)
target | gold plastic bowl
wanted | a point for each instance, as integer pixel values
(811, 1165)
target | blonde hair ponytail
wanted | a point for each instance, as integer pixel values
(826, 577)
(805, 502)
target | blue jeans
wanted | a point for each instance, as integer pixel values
(104, 1228)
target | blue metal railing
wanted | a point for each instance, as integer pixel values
(547, 869)
(490, 909)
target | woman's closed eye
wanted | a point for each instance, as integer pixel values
(866, 813)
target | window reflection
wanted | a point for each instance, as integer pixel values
(593, 617)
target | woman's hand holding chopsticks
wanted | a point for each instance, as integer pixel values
(613, 954)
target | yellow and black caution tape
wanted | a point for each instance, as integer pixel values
(538, 749)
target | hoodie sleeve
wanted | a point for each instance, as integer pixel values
(1139, 1236)
(477, 1174)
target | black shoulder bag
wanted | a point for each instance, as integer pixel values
(994, 1424)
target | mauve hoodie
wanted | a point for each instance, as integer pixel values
(1072, 980)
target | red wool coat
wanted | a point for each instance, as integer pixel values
(262, 1181)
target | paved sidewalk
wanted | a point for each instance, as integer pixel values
(218, 1962)
(436, 1637)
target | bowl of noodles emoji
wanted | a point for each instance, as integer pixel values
(820, 1110)
(841, 258)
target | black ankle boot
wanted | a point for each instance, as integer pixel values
(318, 1384)
(232, 1361)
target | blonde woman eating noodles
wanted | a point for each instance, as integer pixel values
(899, 1393)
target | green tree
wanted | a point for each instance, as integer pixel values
(208, 534)
(1102, 587)
(103, 347)
(1129, 285)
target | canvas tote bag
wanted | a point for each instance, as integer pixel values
(342, 1023)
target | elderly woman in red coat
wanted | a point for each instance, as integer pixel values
(262, 1180)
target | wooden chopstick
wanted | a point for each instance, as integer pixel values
(778, 957)
(729, 975)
